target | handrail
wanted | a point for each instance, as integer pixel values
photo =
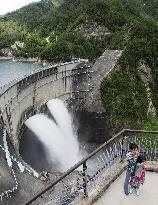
(124, 131)
(141, 131)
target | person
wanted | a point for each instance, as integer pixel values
(139, 176)
(131, 157)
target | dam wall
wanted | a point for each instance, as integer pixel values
(25, 97)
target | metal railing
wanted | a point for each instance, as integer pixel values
(81, 180)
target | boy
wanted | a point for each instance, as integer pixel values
(131, 157)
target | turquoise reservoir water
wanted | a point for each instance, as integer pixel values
(10, 70)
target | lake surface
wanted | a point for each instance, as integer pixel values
(10, 70)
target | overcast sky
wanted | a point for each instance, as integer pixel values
(11, 5)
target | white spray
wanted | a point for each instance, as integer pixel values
(58, 138)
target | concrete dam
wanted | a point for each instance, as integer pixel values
(77, 84)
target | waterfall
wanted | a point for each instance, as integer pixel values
(58, 137)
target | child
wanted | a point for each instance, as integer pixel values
(131, 158)
(139, 176)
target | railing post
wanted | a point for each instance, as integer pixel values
(85, 179)
(122, 144)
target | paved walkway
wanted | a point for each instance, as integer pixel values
(148, 193)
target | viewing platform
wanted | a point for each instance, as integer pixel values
(115, 194)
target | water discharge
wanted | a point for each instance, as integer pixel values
(58, 137)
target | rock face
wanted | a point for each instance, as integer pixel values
(93, 126)
(93, 30)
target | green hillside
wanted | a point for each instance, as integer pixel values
(30, 15)
(59, 30)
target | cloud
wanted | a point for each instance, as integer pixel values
(11, 5)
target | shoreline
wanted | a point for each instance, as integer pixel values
(29, 60)
(5, 58)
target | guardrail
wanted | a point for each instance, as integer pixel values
(81, 179)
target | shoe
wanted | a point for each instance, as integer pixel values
(137, 192)
(131, 191)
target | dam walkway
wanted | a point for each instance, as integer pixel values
(115, 195)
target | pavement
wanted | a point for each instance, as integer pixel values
(115, 195)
